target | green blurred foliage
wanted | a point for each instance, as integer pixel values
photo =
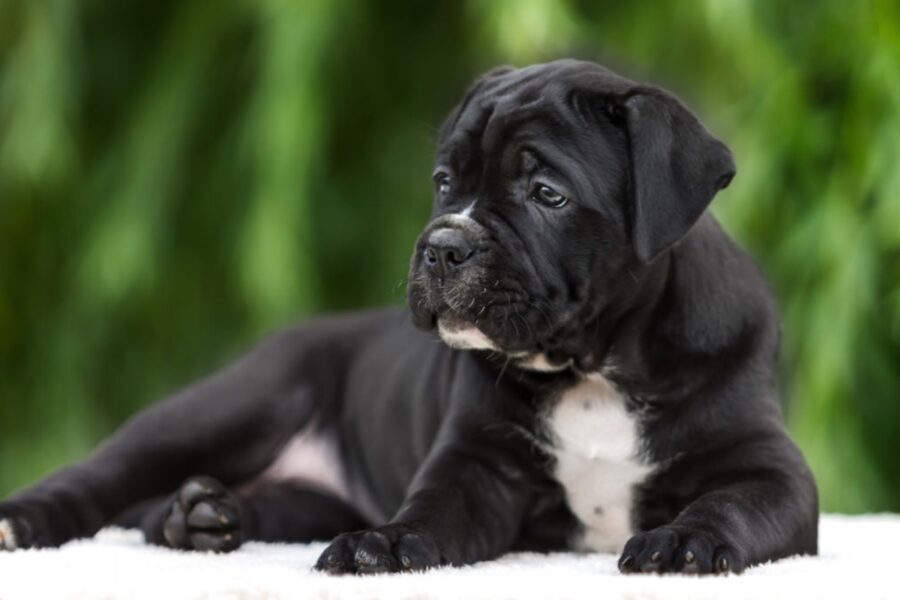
(179, 177)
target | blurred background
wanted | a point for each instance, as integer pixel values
(179, 177)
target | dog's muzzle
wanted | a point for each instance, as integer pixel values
(447, 273)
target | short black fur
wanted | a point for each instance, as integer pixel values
(445, 451)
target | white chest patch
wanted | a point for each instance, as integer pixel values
(597, 449)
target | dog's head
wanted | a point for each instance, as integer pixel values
(557, 186)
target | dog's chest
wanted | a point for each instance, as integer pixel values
(596, 444)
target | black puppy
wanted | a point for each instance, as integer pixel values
(613, 383)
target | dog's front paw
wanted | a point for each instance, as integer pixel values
(386, 549)
(679, 550)
(204, 516)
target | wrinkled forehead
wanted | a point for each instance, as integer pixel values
(544, 101)
(496, 105)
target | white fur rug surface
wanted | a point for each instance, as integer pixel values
(859, 558)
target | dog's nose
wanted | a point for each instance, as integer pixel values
(446, 249)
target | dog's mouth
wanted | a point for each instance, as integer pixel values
(475, 312)
(465, 336)
(484, 311)
(484, 314)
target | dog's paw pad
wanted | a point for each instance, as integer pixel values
(204, 516)
(387, 549)
(678, 550)
(7, 535)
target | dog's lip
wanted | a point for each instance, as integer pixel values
(540, 362)
(463, 335)
(455, 326)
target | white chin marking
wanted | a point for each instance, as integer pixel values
(7, 535)
(539, 362)
(465, 338)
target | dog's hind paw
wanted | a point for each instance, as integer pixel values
(204, 515)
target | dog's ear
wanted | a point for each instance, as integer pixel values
(677, 167)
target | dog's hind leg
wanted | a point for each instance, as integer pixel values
(230, 426)
(205, 515)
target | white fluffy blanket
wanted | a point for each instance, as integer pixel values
(859, 559)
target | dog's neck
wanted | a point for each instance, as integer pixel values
(595, 348)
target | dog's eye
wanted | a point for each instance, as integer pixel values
(442, 183)
(547, 196)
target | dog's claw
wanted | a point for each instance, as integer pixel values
(652, 565)
(722, 564)
(674, 549)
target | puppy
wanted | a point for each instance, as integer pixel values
(609, 380)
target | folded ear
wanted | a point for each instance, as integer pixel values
(677, 167)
